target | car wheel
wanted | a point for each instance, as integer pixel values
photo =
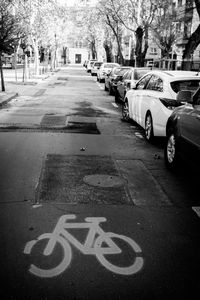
(149, 128)
(100, 80)
(171, 152)
(105, 87)
(97, 78)
(125, 111)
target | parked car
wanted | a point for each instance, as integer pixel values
(85, 63)
(152, 100)
(89, 65)
(127, 81)
(96, 66)
(183, 131)
(104, 70)
(113, 77)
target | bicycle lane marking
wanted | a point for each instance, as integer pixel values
(90, 246)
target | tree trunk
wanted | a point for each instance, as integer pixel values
(93, 50)
(108, 49)
(25, 69)
(138, 48)
(120, 55)
(36, 55)
(191, 45)
(2, 78)
(64, 55)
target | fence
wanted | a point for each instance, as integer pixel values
(174, 64)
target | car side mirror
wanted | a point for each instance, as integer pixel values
(184, 96)
(133, 86)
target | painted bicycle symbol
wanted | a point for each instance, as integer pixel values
(97, 242)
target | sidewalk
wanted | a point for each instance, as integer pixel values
(15, 86)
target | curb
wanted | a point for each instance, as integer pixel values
(6, 100)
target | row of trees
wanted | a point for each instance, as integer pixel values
(44, 25)
(142, 20)
(31, 25)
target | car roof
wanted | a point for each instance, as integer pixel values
(111, 63)
(175, 75)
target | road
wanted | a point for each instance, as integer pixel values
(68, 163)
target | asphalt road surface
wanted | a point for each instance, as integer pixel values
(88, 209)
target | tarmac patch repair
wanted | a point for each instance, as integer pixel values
(92, 179)
(63, 181)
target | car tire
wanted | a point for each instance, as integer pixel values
(97, 78)
(171, 152)
(105, 88)
(149, 135)
(125, 111)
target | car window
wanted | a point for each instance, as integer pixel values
(127, 75)
(142, 82)
(155, 84)
(110, 65)
(189, 85)
(139, 73)
(120, 71)
(97, 64)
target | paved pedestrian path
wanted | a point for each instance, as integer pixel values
(15, 85)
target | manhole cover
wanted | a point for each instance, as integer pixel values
(105, 181)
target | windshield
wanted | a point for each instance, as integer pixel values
(97, 64)
(140, 73)
(182, 85)
(110, 65)
(119, 71)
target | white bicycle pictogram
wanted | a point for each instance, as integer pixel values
(93, 245)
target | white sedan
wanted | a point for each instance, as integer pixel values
(104, 70)
(152, 100)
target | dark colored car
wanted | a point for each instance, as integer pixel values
(183, 131)
(128, 80)
(113, 77)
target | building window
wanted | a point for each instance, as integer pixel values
(153, 51)
(180, 3)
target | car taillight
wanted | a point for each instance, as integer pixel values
(170, 103)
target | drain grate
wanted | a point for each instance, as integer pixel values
(64, 179)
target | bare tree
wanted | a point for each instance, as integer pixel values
(163, 27)
(109, 15)
(136, 16)
(10, 32)
(194, 39)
